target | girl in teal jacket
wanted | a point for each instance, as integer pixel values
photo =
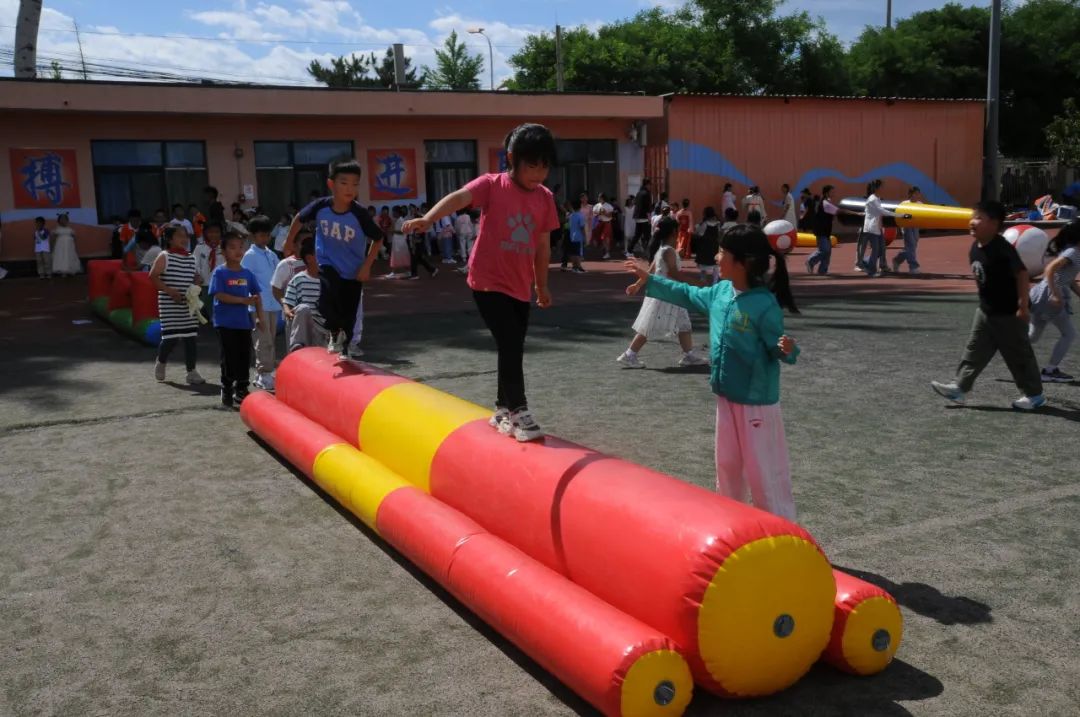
(746, 325)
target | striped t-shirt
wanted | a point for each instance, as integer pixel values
(305, 289)
(177, 321)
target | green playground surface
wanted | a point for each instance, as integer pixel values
(155, 558)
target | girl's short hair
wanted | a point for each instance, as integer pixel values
(685, 203)
(1067, 237)
(709, 213)
(532, 143)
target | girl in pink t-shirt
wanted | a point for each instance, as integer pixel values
(509, 257)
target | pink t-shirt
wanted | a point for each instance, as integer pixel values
(511, 221)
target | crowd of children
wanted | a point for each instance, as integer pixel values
(500, 229)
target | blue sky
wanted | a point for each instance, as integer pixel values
(273, 40)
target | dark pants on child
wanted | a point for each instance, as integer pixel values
(508, 321)
(642, 231)
(1006, 333)
(338, 300)
(418, 256)
(235, 358)
(167, 345)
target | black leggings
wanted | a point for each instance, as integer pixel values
(508, 321)
(167, 345)
(235, 357)
(339, 298)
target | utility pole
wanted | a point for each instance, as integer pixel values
(82, 57)
(991, 184)
(888, 14)
(559, 86)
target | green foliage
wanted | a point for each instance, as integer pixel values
(1063, 134)
(455, 68)
(361, 71)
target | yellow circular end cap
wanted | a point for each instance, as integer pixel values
(766, 615)
(657, 684)
(872, 635)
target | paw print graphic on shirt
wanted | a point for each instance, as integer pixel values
(521, 228)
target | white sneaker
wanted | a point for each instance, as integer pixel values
(498, 418)
(524, 426)
(159, 371)
(391, 275)
(607, 256)
(1029, 403)
(949, 391)
(337, 343)
(195, 378)
(692, 358)
(630, 360)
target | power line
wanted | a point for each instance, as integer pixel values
(252, 41)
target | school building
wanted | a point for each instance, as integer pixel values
(96, 149)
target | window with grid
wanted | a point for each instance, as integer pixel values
(291, 173)
(147, 175)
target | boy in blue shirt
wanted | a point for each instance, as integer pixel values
(234, 290)
(261, 261)
(342, 228)
(574, 247)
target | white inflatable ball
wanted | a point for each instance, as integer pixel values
(1031, 244)
(782, 235)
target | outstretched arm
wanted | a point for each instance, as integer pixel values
(452, 202)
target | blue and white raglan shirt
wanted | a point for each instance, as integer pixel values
(341, 239)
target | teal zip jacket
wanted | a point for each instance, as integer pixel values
(744, 330)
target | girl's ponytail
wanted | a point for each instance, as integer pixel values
(780, 283)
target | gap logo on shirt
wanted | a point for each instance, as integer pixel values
(335, 230)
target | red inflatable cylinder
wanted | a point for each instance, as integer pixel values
(574, 635)
(99, 276)
(867, 628)
(616, 663)
(297, 439)
(337, 402)
(120, 291)
(747, 595)
(144, 298)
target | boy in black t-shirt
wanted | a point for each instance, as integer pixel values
(1002, 317)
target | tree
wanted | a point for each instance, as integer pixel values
(455, 68)
(361, 71)
(26, 34)
(1063, 134)
(705, 46)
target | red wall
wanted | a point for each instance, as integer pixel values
(770, 141)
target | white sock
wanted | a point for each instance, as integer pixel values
(630, 353)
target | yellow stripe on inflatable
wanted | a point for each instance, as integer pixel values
(406, 423)
(658, 684)
(358, 482)
(872, 635)
(766, 615)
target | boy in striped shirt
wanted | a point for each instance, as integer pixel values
(305, 326)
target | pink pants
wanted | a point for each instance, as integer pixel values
(752, 456)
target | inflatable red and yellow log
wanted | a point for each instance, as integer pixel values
(748, 596)
(806, 240)
(613, 661)
(867, 629)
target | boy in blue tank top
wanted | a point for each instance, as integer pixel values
(342, 230)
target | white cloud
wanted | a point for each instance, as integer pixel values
(267, 42)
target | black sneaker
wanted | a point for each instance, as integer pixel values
(1056, 376)
(240, 393)
(226, 398)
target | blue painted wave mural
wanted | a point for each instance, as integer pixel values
(693, 157)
